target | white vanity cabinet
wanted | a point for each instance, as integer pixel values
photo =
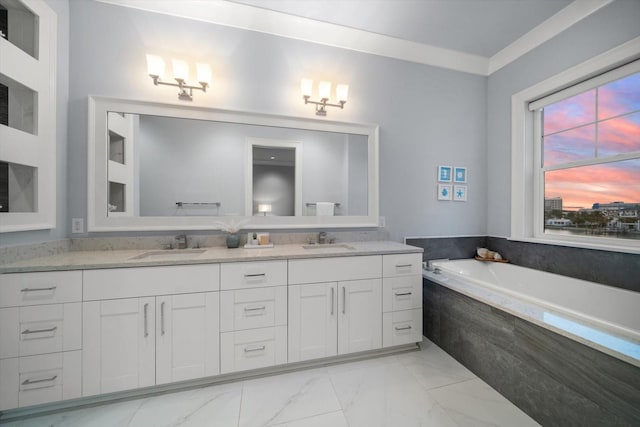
(335, 306)
(253, 315)
(148, 326)
(402, 299)
(40, 337)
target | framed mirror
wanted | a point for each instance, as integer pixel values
(155, 166)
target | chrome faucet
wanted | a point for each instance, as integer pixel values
(322, 237)
(181, 241)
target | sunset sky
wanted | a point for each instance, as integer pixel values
(570, 135)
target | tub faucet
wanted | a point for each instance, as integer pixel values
(181, 241)
(322, 237)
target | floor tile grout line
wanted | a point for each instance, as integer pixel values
(455, 383)
(305, 418)
(240, 405)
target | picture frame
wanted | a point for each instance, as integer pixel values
(460, 174)
(444, 173)
(459, 193)
(445, 191)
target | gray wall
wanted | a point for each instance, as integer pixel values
(609, 27)
(276, 186)
(427, 116)
(61, 8)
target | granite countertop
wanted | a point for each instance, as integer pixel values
(88, 260)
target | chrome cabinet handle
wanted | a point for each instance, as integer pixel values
(262, 307)
(402, 265)
(249, 350)
(344, 300)
(51, 288)
(162, 318)
(37, 331)
(332, 299)
(44, 380)
(146, 329)
(255, 275)
(401, 294)
(403, 328)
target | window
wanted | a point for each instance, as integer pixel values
(575, 170)
(590, 159)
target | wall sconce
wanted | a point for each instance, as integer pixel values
(155, 68)
(264, 209)
(324, 92)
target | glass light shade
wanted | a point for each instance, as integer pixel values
(263, 208)
(180, 69)
(324, 90)
(155, 66)
(204, 73)
(306, 87)
(342, 92)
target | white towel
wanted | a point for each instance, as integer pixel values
(325, 208)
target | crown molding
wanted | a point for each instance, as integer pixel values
(548, 29)
(266, 21)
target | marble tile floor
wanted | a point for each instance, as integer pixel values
(421, 388)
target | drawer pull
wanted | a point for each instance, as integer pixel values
(249, 350)
(402, 294)
(37, 331)
(403, 328)
(44, 380)
(51, 288)
(332, 299)
(262, 307)
(162, 318)
(255, 275)
(403, 265)
(344, 300)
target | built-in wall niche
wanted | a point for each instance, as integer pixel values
(19, 25)
(116, 148)
(17, 187)
(18, 105)
(117, 197)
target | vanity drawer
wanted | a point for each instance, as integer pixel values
(401, 265)
(337, 269)
(252, 349)
(116, 283)
(401, 327)
(33, 380)
(51, 287)
(401, 293)
(253, 308)
(242, 275)
(40, 329)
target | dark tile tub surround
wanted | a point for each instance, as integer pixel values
(618, 269)
(555, 380)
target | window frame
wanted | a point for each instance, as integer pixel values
(527, 174)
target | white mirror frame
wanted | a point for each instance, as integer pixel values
(99, 221)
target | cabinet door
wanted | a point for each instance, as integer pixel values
(313, 315)
(118, 345)
(187, 329)
(359, 315)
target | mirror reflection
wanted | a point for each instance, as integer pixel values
(161, 166)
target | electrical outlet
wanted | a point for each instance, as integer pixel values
(382, 222)
(77, 225)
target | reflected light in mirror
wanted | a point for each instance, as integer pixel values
(264, 208)
(155, 66)
(204, 74)
(324, 90)
(342, 92)
(180, 70)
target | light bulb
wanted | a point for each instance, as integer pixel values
(342, 92)
(204, 73)
(306, 87)
(155, 66)
(180, 70)
(324, 90)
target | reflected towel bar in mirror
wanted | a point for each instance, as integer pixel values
(337, 205)
(182, 204)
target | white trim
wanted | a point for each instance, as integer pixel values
(299, 28)
(548, 29)
(523, 206)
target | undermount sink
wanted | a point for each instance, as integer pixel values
(330, 246)
(173, 254)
